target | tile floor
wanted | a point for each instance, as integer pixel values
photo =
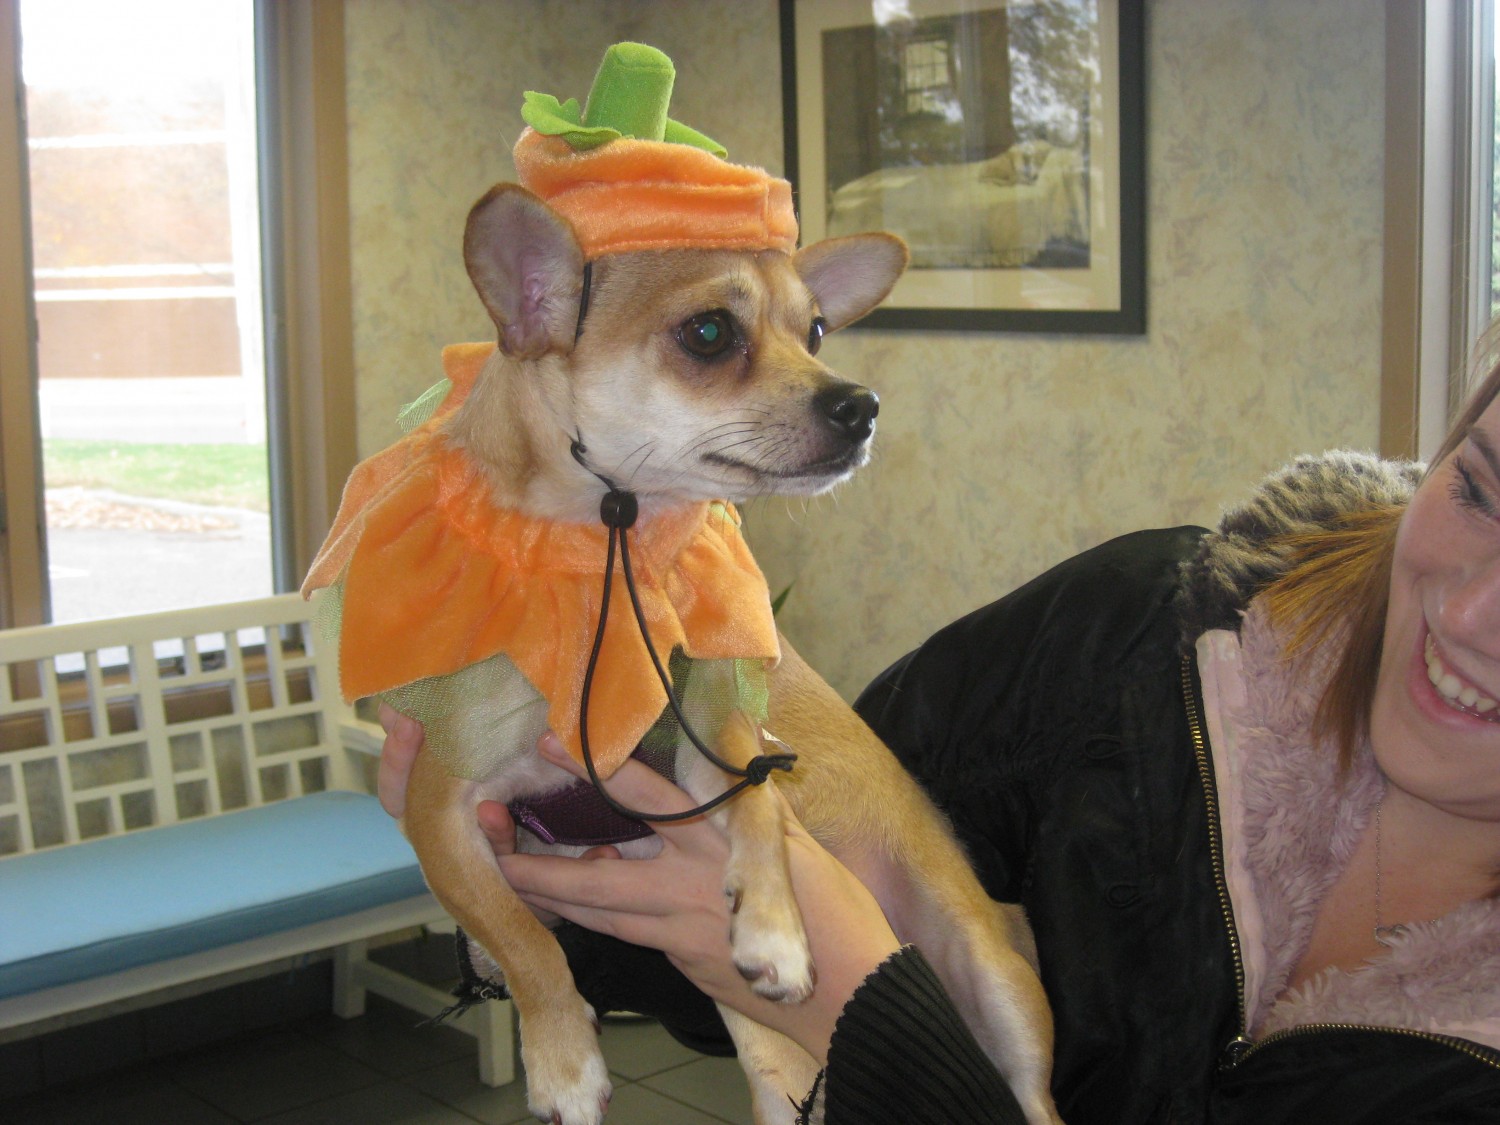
(380, 1069)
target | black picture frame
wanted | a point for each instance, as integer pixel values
(969, 278)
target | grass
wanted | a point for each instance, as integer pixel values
(231, 476)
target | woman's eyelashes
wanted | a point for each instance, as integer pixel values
(1470, 493)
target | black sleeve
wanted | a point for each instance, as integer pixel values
(901, 1054)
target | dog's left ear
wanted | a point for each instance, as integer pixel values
(526, 264)
(850, 276)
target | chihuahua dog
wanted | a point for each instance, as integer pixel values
(696, 380)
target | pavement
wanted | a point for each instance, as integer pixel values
(149, 555)
(111, 554)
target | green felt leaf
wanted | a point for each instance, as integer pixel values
(680, 134)
(552, 118)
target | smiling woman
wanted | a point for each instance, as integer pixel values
(1435, 729)
(1408, 597)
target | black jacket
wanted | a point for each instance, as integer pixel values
(1057, 729)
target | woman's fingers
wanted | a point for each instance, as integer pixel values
(498, 827)
(635, 886)
(403, 738)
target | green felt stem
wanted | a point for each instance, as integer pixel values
(631, 92)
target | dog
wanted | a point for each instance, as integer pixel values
(696, 379)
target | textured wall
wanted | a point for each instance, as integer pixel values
(998, 454)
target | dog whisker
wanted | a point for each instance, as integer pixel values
(622, 471)
(645, 458)
(751, 441)
(696, 447)
(725, 429)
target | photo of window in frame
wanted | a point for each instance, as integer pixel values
(1002, 140)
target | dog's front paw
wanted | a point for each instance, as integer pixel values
(567, 1082)
(770, 949)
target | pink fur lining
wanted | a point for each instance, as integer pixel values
(1300, 824)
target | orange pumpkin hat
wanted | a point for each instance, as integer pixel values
(627, 177)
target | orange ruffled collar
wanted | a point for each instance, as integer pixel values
(437, 577)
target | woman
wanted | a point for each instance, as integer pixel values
(1245, 783)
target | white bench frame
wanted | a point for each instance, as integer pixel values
(203, 648)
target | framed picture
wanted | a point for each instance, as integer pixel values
(1001, 138)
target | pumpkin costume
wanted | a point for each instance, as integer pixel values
(437, 592)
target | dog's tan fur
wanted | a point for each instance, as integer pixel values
(677, 429)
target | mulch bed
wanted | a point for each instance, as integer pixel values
(68, 510)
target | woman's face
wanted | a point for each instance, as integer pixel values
(1435, 725)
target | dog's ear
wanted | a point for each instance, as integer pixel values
(850, 276)
(526, 264)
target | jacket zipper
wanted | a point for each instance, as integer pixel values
(1474, 1051)
(1242, 1046)
(1216, 853)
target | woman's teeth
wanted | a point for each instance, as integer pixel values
(1451, 688)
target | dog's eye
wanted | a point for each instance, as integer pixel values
(815, 335)
(708, 334)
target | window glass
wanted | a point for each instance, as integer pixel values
(141, 135)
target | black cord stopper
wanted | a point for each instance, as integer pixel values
(618, 508)
(759, 768)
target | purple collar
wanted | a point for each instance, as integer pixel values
(578, 815)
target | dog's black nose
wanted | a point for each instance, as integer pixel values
(849, 408)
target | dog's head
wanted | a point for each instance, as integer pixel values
(695, 374)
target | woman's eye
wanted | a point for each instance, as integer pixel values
(1468, 492)
(815, 335)
(708, 334)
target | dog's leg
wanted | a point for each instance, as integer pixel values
(855, 798)
(765, 933)
(567, 1082)
(984, 954)
(780, 1073)
(972, 944)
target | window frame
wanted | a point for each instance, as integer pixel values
(307, 300)
(1439, 168)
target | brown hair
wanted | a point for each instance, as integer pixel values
(1338, 587)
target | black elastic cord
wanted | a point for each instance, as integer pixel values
(583, 302)
(618, 511)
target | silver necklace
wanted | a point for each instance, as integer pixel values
(1385, 935)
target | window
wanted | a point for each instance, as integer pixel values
(928, 84)
(164, 348)
(1477, 298)
(146, 252)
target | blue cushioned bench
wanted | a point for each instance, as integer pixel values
(201, 885)
(182, 796)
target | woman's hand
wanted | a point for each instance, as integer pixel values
(403, 738)
(675, 902)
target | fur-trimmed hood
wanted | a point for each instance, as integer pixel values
(1241, 557)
